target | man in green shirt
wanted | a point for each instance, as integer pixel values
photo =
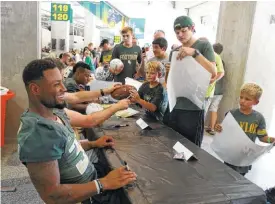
(186, 118)
(57, 164)
(129, 54)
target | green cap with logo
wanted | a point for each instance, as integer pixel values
(182, 22)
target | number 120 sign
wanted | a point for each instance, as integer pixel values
(60, 12)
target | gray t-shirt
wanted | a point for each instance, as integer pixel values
(129, 57)
(42, 140)
(253, 125)
(207, 51)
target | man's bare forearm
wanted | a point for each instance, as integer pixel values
(72, 193)
(209, 66)
(99, 117)
(46, 179)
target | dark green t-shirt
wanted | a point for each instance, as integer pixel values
(155, 96)
(129, 57)
(253, 125)
(207, 51)
(42, 140)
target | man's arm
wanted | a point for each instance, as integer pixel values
(45, 177)
(92, 120)
(205, 63)
(103, 141)
(84, 96)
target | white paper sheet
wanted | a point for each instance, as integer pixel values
(126, 113)
(233, 146)
(181, 149)
(97, 84)
(133, 82)
(187, 78)
(142, 124)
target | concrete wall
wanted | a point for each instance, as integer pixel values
(236, 41)
(205, 17)
(261, 60)
(20, 43)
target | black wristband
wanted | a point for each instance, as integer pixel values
(102, 92)
(100, 186)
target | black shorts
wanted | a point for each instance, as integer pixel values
(189, 123)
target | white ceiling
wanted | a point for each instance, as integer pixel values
(135, 9)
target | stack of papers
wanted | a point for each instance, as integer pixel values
(126, 113)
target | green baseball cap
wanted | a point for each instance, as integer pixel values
(182, 22)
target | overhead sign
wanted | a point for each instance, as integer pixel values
(117, 39)
(61, 12)
(138, 25)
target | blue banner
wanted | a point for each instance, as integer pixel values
(138, 25)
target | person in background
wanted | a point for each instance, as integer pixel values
(92, 51)
(186, 118)
(57, 163)
(129, 54)
(218, 94)
(150, 52)
(65, 58)
(77, 56)
(87, 59)
(135, 42)
(106, 53)
(79, 81)
(159, 49)
(252, 122)
(151, 93)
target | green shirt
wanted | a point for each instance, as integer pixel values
(253, 125)
(207, 51)
(219, 69)
(129, 56)
(42, 140)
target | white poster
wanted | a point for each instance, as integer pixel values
(97, 84)
(187, 78)
(233, 146)
(133, 82)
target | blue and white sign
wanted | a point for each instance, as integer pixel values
(138, 25)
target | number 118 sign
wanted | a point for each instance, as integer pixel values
(60, 12)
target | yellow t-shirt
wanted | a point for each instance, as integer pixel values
(219, 68)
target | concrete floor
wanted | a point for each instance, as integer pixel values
(13, 173)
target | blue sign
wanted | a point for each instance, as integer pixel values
(138, 25)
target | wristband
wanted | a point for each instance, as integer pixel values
(100, 186)
(97, 186)
(102, 92)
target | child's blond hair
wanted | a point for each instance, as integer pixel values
(252, 90)
(153, 66)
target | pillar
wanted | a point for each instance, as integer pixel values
(20, 43)
(60, 31)
(90, 27)
(234, 32)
